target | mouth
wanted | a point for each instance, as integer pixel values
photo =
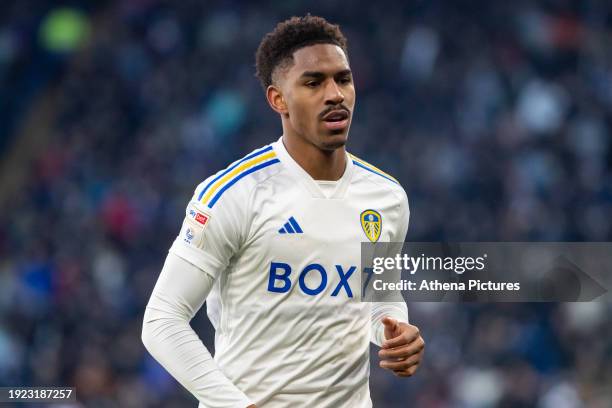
(336, 119)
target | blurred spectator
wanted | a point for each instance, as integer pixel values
(64, 30)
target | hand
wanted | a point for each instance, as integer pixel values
(403, 348)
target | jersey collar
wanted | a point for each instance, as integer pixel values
(308, 182)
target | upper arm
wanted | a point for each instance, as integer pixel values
(180, 291)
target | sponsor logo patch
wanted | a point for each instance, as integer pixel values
(198, 216)
(193, 226)
(201, 218)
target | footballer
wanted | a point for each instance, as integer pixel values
(272, 244)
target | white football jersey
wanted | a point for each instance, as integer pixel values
(290, 327)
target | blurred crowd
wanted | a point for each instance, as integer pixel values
(495, 116)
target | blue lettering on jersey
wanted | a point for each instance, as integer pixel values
(279, 282)
(274, 276)
(322, 285)
(344, 280)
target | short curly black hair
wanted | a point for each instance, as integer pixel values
(278, 46)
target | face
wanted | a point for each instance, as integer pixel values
(316, 96)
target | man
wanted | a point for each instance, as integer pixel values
(272, 243)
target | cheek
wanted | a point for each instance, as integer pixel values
(302, 114)
(350, 96)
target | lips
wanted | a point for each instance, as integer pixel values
(336, 119)
(336, 116)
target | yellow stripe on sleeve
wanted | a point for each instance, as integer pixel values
(244, 166)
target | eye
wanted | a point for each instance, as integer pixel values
(312, 84)
(345, 80)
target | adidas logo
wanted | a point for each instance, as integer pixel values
(291, 227)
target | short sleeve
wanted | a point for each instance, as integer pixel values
(400, 227)
(395, 247)
(400, 231)
(403, 219)
(211, 235)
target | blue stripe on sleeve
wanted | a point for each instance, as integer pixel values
(238, 177)
(232, 167)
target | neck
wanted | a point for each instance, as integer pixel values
(319, 164)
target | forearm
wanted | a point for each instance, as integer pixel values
(396, 310)
(180, 291)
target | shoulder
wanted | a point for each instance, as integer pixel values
(236, 182)
(368, 173)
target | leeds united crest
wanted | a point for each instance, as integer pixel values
(371, 222)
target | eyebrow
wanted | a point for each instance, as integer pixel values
(318, 74)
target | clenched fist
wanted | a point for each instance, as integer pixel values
(403, 348)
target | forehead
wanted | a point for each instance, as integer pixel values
(325, 58)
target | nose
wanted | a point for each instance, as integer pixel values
(333, 94)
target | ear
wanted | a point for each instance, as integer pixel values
(276, 100)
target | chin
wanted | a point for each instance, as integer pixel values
(335, 140)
